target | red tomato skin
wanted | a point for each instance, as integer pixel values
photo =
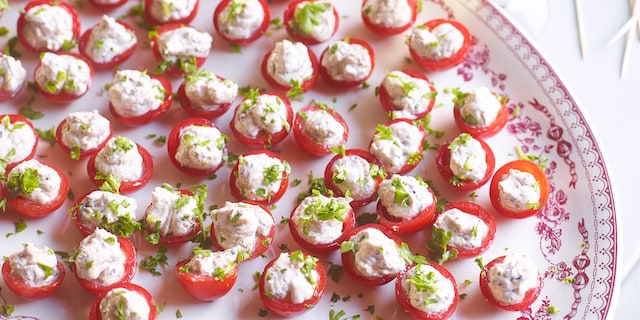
(264, 140)
(177, 240)
(328, 176)
(83, 153)
(482, 213)
(525, 166)
(175, 69)
(63, 97)
(126, 186)
(530, 297)
(407, 226)
(442, 164)
(406, 167)
(195, 111)
(348, 258)
(173, 142)
(306, 142)
(347, 84)
(13, 118)
(110, 6)
(155, 22)
(94, 312)
(483, 132)
(260, 246)
(84, 42)
(130, 265)
(22, 21)
(29, 209)
(285, 307)
(388, 31)
(27, 292)
(205, 287)
(289, 21)
(305, 85)
(347, 225)
(8, 95)
(387, 102)
(237, 193)
(151, 115)
(448, 63)
(84, 229)
(262, 29)
(415, 313)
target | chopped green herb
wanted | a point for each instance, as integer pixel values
(152, 263)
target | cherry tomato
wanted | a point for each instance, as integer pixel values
(16, 118)
(387, 102)
(407, 225)
(357, 202)
(107, 6)
(237, 193)
(450, 62)
(152, 114)
(483, 132)
(210, 112)
(173, 142)
(405, 301)
(94, 312)
(205, 287)
(307, 142)
(487, 218)
(384, 30)
(126, 186)
(6, 94)
(56, 3)
(264, 139)
(118, 59)
(176, 69)
(326, 76)
(171, 240)
(442, 164)
(63, 97)
(153, 21)
(304, 86)
(297, 34)
(411, 163)
(530, 296)
(524, 166)
(29, 208)
(26, 291)
(83, 153)
(85, 229)
(286, 307)
(262, 29)
(130, 265)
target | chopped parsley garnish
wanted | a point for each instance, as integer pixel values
(48, 135)
(30, 114)
(307, 17)
(22, 182)
(437, 246)
(152, 263)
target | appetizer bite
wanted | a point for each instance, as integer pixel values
(35, 189)
(246, 226)
(318, 129)
(207, 95)
(196, 147)
(311, 21)
(260, 176)
(466, 163)
(511, 282)
(83, 133)
(427, 291)
(108, 210)
(48, 25)
(241, 21)
(161, 12)
(262, 120)
(180, 49)
(407, 94)
(398, 145)
(62, 77)
(108, 43)
(107, 4)
(406, 204)
(290, 66)
(389, 17)
(18, 140)
(208, 275)
(123, 301)
(347, 63)
(439, 44)
(137, 98)
(480, 112)
(12, 77)
(33, 273)
(354, 173)
(292, 283)
(519, 189)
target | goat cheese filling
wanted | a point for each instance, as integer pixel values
(289, 62)
(201, 147)
(16, 140)
(171, 213)
(441, 42)
(212, 263)
(376, 255)
(347, 62)
(207, 91)
(292, 275)
(48, 27)
(318, 219)
(264, 114)
(109, 39)
(120, 303)
(480, 108)
(172, 10)
(323, 20)
(63, 74)
(119, 157)
(36, 182)
(85, 130)
(259, 176)
(183, 43)
(388, 13)
(519, 191)
(404, 196)
(510, 279)
(240, 19)
(410, 96)
(104, 209)
(33, 266)
(428, 290)
(322, 127)
(468, 160)
(134, 93)
(396, 145)
(12, 74)
(467, 231)
(239, 224)
(355, 176)
(99, 258)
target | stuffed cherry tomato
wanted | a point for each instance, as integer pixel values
(161, 12)
(262, 120)
(108, 43)
(206, 95)
(18, 139)
(311, 21)
(519, 189)
(389, 17)
(286, 56)
(33, 273)
(196, 147)
(261, 176)
(34, 188)
(121, 160)
(81, 134)
(472, 229)
(123, 300)
(173, 216)
(48, 25)
(398, 145)
(407, 94)
(241, 21)
(406, 204)
(107, 4)
(208, 275)
(320, 223)
(137, 98)
(12, 78)
(111, 211)
(318, 128)
(427, 292)
(480, 112)
(246, 226)
(354, 173)
(371, 255)
(63, 77)
(292, 283)
(102, 260)
(466, 163)
(439, 44)
(180, 49)
(347, 63)
(511, 282)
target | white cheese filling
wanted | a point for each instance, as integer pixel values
(287, 278)
(16, 140)
(404, 196)
(396, 144)
(85, 130)
(480, 108)
(289, 62)
(388, 13)
(134, 93)
(182, 43)
(324, 21)
(441, 42)
(239, 224)
(211, 263)
(106, 1)
(119, 157)
(171, 214)
(49, 181)
(410, 96)
(259, 176)
(120, 303)
(33, 266)
(61, 73)
(467, 231)
(519, 191)
(48, 27)
(108, 39)
(265, 114)
(240, 19)
(12, 74)
(171, 10)
(376, 255)
(436, 292)
(104, 208)
(468, 160)
(99, 258)
(510, 279)
(323, 128)
(353, 176)
(318, 219)
(201, 147)
(345, 61)
(207, 91)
